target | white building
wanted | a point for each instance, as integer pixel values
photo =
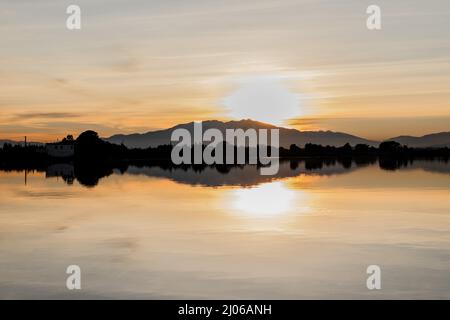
(60, 150)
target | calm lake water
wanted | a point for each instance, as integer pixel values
(151, 233)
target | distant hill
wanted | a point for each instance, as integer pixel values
(287, 136)
(434, 140)
(2, 142)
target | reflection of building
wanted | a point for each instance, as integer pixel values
(60, 149)
(63, 170)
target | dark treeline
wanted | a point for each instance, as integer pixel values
(95, 158)
(90, 150)
(385, 149)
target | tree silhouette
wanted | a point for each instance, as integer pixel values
(389, 147)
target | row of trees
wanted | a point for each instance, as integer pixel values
(90, 148)
(388, 148)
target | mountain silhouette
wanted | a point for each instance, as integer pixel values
(434, 140)
(287, 136)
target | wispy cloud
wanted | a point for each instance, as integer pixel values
(153, 64)
(45, 115)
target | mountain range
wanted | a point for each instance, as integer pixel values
(287, 136)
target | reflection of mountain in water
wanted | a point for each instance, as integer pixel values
(245, 175)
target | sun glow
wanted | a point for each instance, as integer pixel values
(263, 98)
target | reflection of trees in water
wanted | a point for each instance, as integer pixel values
(238, 175)
(394, 164)
(89, 174)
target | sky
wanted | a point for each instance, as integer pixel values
(140, 65)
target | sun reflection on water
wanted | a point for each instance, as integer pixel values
(266, 200)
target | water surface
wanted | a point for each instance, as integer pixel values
(150, 232)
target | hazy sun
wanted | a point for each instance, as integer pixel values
(265, 99)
